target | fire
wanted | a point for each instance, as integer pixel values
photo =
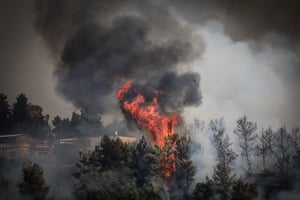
(159, 125)
(148, 115)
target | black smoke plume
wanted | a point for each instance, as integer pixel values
(101, 50)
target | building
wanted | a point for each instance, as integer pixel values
(90, 142)
(21, 145)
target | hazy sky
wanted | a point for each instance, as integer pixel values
(248, 58)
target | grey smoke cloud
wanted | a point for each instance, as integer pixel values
(99, 55)
(243, 19)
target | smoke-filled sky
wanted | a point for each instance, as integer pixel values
(210, 58)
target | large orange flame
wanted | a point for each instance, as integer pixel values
(148, 114)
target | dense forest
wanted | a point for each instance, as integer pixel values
(117, 170)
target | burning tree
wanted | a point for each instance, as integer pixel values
(147, 114)
(177, 169)
(159, 125)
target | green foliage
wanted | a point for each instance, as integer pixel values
(244, 191)
(204, 191)
(151, 190)
(115, 171)
(225, 153)
(185, 170)
(87, 123)
(120, 191)
(222, 176)
(144, 162)
(223, 180)
(33, 184)
(29, 118)
(111, 154)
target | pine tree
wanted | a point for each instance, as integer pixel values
(204, 191)
(223, 177)
(5, 113)
(111, 154)
(246, 134)
(143, 162)
(33, 184)
(223, 180)
(90, 122)
(244, 191)
(38, 124)
(20, 112)
(185, 170)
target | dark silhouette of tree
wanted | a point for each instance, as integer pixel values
(87, 123)
(20, 111)
(104, 172)
(283, 150)
(222, 176)
(245, 131)
(277, 149)
(29, 118)
(223, 180)
(205, 190)
(90, 122)
(38, 124)
(58, 126)
(244, 191)
(62, 128)
(151, 191)
(111, 154)
(5, 113)
(144, 162)
(185, 170)
(75, 123)
(262, 148)
(295, 134)
(33, 184)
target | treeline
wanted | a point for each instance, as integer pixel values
(117, 170)
(272, 160)
(29, 118)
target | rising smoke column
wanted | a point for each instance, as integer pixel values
(103, 44)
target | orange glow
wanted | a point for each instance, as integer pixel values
(147, 114)
(123, 90)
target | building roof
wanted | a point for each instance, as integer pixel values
(11, 135)
(127, 139)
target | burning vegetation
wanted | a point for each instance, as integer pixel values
(159, 125)
(95, 46)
